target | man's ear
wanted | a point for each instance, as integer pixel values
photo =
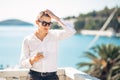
(37, 22)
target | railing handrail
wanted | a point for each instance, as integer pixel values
(68, 73)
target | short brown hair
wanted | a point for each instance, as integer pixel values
(42, 13)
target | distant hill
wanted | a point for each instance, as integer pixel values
(95, 20)
(13, 22)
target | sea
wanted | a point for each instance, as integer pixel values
(70, 53)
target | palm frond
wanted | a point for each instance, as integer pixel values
(116, 77)
(90, 56)
(100, 50)
(82, 64)
(105, 61)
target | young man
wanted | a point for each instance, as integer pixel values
(39, 50)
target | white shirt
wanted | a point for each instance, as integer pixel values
(49, 46)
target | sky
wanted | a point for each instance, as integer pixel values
(27, 10)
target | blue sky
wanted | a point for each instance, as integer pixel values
(28, 9)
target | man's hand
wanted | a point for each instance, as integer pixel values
(52, 15)
(36, 58)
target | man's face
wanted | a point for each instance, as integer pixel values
(44, 23)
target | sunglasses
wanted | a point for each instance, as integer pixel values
(44, 23)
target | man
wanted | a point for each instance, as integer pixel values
(39, 50)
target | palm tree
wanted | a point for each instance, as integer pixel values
(105, 62)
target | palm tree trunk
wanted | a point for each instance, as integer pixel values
(109, 75)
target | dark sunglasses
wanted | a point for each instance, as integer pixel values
(44, 23)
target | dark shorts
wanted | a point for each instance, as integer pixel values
(33, 75)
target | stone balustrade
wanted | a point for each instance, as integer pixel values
(67, 73)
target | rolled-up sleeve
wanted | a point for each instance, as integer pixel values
(68, 30)
(25, 55)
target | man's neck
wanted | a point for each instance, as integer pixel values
(40, 34)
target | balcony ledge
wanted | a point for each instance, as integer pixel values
(67, 73)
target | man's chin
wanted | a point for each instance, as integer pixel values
(46, 31)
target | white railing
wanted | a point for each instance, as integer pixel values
(63, 73)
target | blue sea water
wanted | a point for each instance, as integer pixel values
(71, 50)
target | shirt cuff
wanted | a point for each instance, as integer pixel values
(26, 63)
(67, 25)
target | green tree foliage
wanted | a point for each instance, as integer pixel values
(94, 23)
(90, 24)
(115, 24)
(92, 14)
(70, 17)
(79, 24)
(55, 26)
(104, 62)
(95, 20)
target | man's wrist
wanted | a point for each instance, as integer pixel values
(31, 61)
(56, 18)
